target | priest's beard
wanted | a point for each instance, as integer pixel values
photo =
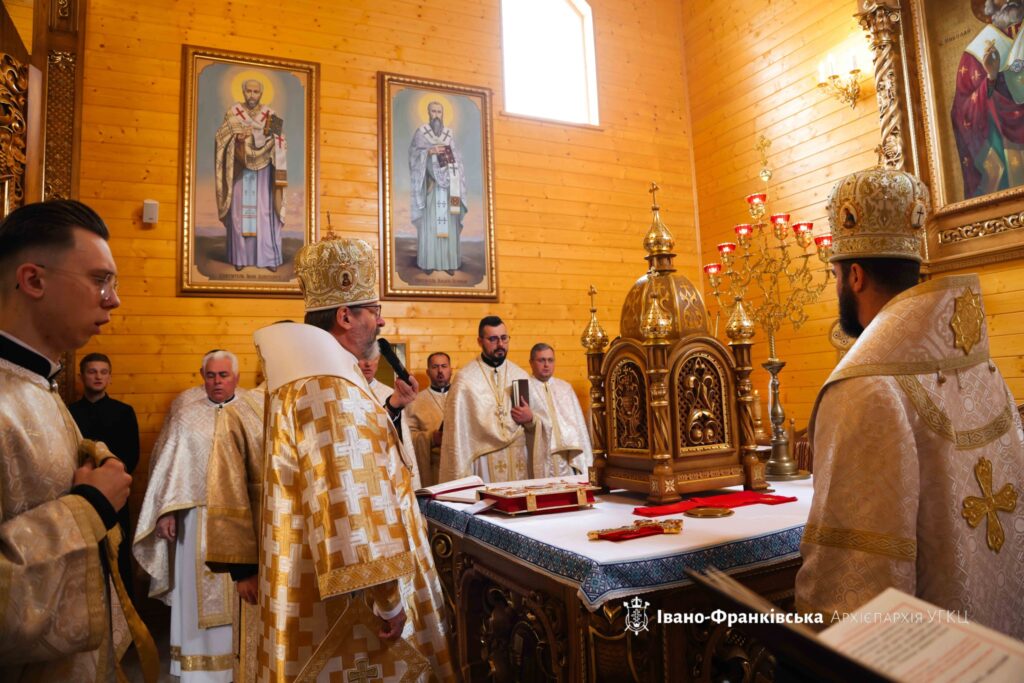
(848, 320)
(437, 125)
(495, 358)
(372, 349)
(1008, 15)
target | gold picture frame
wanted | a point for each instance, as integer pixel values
(248, 172)
(921, 50)
(436, 243)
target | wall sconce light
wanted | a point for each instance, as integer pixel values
(846, 88)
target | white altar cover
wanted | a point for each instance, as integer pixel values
(557, 543)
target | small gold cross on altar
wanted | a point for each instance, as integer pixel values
(654, 194)
(975, 509)
(592, 291)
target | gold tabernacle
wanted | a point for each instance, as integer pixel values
(670, 405)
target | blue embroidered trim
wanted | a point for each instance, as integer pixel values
(596, 580)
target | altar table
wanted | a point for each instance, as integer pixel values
(533, 599)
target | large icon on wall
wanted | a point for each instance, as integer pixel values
(249, 132)
(436, 197)
(957, 119)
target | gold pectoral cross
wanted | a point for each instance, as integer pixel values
(975, 509)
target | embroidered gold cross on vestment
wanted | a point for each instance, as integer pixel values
(975, 509)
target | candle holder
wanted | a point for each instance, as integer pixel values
(775, 258)
(845, 88)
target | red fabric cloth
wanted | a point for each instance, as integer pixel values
(626, 534)
(725, 500)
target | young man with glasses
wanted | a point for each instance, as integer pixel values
(58, 286)
(485, 433)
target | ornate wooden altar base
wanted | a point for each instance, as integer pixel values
(520, 606)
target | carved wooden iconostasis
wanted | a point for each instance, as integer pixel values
(40, 117)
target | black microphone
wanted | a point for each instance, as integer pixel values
(391, 357)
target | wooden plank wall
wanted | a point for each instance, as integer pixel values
(571, 203)
(753, 67)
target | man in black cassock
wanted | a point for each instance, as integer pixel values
(105, 419)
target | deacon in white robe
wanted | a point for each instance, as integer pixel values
(385, 395)
(170, 540)
(485, 434)
(556, 406)
(425, 416)
(918, 447)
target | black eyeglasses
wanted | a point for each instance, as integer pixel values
(376, 308)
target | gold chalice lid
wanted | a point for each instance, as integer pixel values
(708, 512)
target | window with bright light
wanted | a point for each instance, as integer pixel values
(548, 48)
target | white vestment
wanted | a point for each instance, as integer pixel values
(902, 431)
(425, 416)
(201, 602)
(383, 392)
(480, 436)
(565, 429)
(438, 185)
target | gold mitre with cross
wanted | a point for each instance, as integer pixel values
(878, 213)
(336, 271)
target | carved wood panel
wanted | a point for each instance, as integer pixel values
(628, 407)
(703, 409)
(13, 131)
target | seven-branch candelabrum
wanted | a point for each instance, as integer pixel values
(775, 257)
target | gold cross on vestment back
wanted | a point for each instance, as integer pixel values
(975, 509)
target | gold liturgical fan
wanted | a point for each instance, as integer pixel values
(671, 405)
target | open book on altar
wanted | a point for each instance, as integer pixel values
(455, 491)
(513, 497)
(893, 637)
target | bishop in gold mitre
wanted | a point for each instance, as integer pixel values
(918, 447)
(348, 587)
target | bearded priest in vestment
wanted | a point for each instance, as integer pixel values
(388, 399)
(559, 411)
(60, 619)
(484, 433)
(918, 446)
(234, 494)
(425, 416)
(348, 588)
(170, 540)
